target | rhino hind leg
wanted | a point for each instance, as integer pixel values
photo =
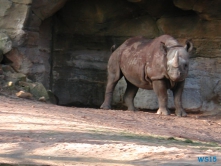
(180, 112)
(129, 95)
(159, 86)
(114, 75)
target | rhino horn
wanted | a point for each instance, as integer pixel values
(175, 61)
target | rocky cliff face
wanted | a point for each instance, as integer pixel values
(25, 23)
(65, 44)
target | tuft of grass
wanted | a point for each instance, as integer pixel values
(171, 138)
(188, 141)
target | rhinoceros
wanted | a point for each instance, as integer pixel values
(159, 64)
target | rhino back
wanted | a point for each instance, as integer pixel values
(133, 59)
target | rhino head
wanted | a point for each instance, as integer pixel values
(178, 61)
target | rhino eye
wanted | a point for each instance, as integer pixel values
(186, 65)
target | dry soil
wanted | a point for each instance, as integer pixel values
(36, 133)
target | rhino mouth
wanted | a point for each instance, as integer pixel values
(176, 75)
(177, 78)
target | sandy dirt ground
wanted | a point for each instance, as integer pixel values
(36, 133)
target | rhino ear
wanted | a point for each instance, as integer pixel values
(189, 45)
(163, 48)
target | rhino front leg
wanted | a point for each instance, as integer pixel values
(177, 93)
(129, 95)
(160, 88)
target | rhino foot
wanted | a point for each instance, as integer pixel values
(180, 112)
(105, 107)
(163, 111)
(132, 109)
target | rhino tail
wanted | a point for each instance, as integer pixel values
(113, 48)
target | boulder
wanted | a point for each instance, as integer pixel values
(207, 10)
(11, 75)
(7, 68)
(36, 89)
(19, 62)
(13, 16)
(52, 97)
(5, 43)
(15, 77)
(5, 6)
(44, 9)
(42, 99)
(23, 94)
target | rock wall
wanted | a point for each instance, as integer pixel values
(26, 24)
(65, 44)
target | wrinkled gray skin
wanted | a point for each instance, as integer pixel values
(158, 64)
